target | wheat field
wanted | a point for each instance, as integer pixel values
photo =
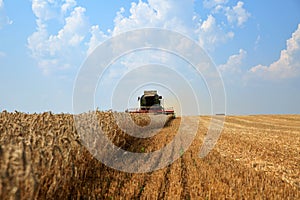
(43, 157)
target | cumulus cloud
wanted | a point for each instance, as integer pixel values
(68, 5)
(61, 50)
(97, 36)
(178, 16)
(234, 63)
(237, 14)
(48, 9)
(44, 9)
(169, 14)
(288, 64)
(210, 33)
(213, 3)
(155, 13)
(4, 20)
(77, 38)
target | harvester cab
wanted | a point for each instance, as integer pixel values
(150, 101)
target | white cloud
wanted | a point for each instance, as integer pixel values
(237, 14)
(4, 20)
(234, 63)
(287, 66)
(44, 9)
(69, 4)
(141, 15)
(63, 50)
(49, 9)
(213, 3)
(77, 38)
(169, 14)
(97, 37)
(74, 30)
(174, 15)
(210, 33)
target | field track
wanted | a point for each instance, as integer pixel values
(256, 157)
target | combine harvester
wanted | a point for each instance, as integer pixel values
(150, 103)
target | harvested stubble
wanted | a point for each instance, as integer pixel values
(42, 157)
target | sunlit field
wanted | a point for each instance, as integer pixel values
(256, 157)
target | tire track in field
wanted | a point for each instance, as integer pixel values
(280, 119)
(144, 185)
(184, 180)
(174, 181)
(187, 178)
(215, 163)
(154, 188)
(283, 122)
(272, 152)
(256, 122)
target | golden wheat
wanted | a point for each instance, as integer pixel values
(42, 156)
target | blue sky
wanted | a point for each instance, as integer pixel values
(254, 44)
